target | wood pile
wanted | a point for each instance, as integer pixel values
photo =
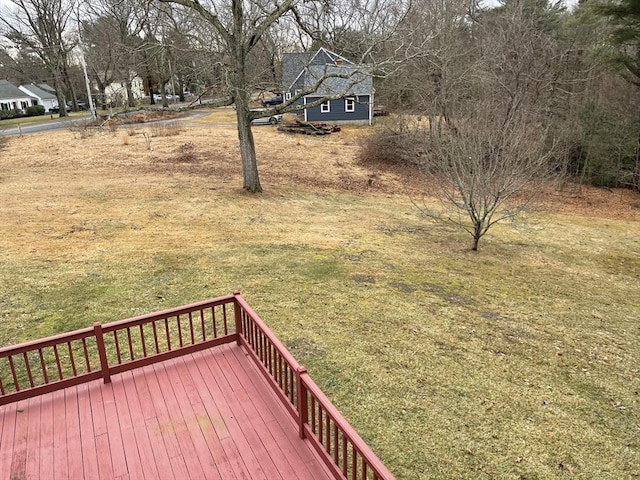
(307, 128)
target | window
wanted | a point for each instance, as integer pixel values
(349, 104)
(287, 96)
(325, 107)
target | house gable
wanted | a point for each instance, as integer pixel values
(12, 98)
(37, 92)
(327, 74)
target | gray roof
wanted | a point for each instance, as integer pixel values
(292, 65)
(38, 92)
(343, 77)
(340, 79)
(47, 88)
(9, 91)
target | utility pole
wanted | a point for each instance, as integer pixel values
(94, 116)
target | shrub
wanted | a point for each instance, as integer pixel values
(34, 111)
(403, 141)
(6, 114)
(168, 129)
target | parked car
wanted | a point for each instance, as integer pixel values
(56, 109)
(272, 120)
(273, 101)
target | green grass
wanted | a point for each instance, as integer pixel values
(518, 361)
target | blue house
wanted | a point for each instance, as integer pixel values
(346, 87)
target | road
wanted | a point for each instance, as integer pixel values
(67, 123)
(41, 127)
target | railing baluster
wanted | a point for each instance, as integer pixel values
(320, 424)
(193, 340)
(86, 354)
(144, 343)
(57, 356)
(328, 432)
(204, 335)
(71, 359)
(2, 391)
(313, 414)
(155, 336)
(354, 462)
(117, 344)
(166, 330)
(44, 367)
(344, 454)
(16, 384)
(26, 364)
(179, 331)
(291, 388)
(336, 450)
(214, 322)
(131, 355)
(224, 318)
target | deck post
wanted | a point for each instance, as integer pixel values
(303, 412)
(102, 352)
(238, 316)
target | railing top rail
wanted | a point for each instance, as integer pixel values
(170, 312)
(364, 449)
(46, 342)
(272, 338)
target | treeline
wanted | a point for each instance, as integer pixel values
(567, 77)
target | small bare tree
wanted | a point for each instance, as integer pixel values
(487, 171)
(496, 146)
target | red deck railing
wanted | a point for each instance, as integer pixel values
(61, 361)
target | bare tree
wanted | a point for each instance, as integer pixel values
(41, 26)
(241, 25)
(497, 146)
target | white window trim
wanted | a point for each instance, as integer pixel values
(325, 107)
(348, 101)
(287, 96)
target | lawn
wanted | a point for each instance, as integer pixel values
(520, 361)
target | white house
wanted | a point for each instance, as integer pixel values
(12, 98)
(116, 92)
(46, 99)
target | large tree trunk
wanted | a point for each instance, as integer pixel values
(130, 100)
(251, 181)
(62, 106)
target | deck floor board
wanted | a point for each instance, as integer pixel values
(208, 415)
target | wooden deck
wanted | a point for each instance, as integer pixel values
(206, 415)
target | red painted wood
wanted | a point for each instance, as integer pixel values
(138, 423)
(33, 436)
(279, 421)
(222, 421)
(214, 379)
(73, 438)
(6, 439)
(45, 452)
(134, 463)
(87, 435)
(176, 376)
(60, 468)
(186, 443)
(114, 431)
(19, 457)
